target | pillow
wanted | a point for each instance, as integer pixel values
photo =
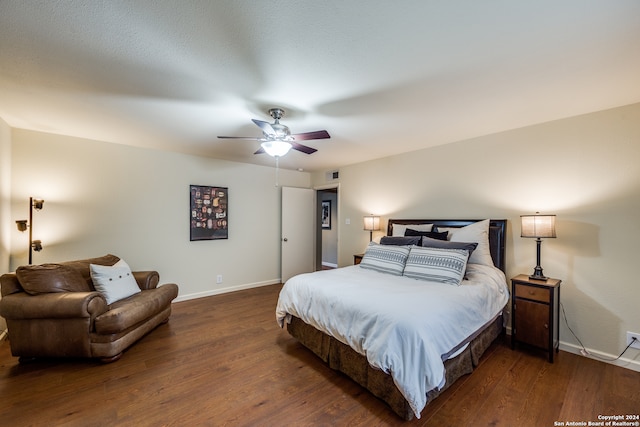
(399, 229)
(432, 234)
(388, 259)
(437, 265)
(115, 282)
(443, 244)
(476, 232)
(46, 278)
(400, 241)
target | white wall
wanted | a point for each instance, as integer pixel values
(5, 208)
(585, 169)
(107, 198)
(5, 195)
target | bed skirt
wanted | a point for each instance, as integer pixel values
(343, 358)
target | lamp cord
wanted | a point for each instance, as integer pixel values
(607, 359)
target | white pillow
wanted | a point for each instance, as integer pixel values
(477, 232)
(437, 264)
(385, 258)
(115, 282)
(399, 229)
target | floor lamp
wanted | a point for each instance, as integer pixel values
(23, 224)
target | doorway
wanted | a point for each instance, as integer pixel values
(327, 230)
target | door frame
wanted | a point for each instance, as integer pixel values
(318, 247)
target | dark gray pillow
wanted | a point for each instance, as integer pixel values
(445, 244)
(432, 234)
(400, 241)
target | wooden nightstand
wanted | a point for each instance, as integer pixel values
(357, 258)
(535, 313)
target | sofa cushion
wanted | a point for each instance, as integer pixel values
(115, 282)
(47, 278)
(130, 311)
(82, 266)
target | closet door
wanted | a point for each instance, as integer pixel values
(298, 231)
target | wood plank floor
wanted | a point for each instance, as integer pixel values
(223, 360)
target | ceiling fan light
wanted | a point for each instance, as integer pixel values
(276, 148)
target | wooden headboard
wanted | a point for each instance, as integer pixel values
(497, 233)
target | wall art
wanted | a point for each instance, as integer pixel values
(209, 216)
(326, 214)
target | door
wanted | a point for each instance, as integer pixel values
(298, 231)
(532, 323)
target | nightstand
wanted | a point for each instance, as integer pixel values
(357, 258)
(535, 313)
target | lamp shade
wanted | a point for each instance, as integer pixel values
(37, 245)
(371, 223)
(538, 226)
(276, 148)
(21, 224)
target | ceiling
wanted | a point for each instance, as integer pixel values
(381, 77)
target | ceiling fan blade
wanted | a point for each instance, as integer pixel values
(266, 127)
(319, 134)
(303, 148)
(260, 151)
(248, 138)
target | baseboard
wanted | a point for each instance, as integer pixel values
(218, 291)
(329, 264)
(623, 362)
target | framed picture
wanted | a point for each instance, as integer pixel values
(209, 216)
(326, 214)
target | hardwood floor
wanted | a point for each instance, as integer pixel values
(223, 360)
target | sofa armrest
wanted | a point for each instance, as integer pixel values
(146, 279)
(9, 284)
(58, 305)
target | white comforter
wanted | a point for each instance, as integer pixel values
(403, 326)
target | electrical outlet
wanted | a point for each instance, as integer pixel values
(630, 336)
(219, 278)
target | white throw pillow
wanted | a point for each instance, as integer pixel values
(437, 265)
(477, 232)
(115, 282)
(399, 229)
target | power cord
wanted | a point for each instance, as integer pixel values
(584, 350)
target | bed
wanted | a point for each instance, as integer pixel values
(406, 357)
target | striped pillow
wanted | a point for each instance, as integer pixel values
(437, 265)
(385, 258)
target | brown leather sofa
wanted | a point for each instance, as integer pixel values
(59, 314)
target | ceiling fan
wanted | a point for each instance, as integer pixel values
(277, 139)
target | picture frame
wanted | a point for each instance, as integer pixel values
(326, 215)
(208, 212)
